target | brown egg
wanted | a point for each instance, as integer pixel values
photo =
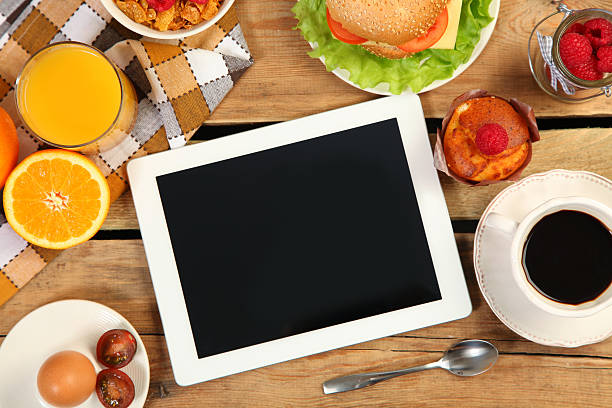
(66, 379)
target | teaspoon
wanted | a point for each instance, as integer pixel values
(466, 358)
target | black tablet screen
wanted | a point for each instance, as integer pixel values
(298, 238)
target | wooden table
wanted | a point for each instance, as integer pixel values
(283, 84)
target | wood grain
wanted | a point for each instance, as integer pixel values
(571, 149)
(115, 273)
(285, 83)
(515, 381)
(523, 377)
(527, 374)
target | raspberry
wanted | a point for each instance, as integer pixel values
(575, 50)
(491, 139)
(604, 56)
(576, 28)
(598, 32)
(161, 5)
(588, 71)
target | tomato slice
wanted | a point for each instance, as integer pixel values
(116, 348)
(341, 33)
(114, 388)
(435, 32)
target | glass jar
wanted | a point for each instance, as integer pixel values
(555, 25)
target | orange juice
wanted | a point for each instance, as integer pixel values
(70, 95)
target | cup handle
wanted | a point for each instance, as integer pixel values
(501, 223)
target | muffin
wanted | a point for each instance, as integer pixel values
(486, 139)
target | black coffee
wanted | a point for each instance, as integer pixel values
(568, 257)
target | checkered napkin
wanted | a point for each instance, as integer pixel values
(179, 83)
(545, 42)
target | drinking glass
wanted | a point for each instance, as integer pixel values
(71, 96)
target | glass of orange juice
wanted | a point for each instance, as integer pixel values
(71, 96)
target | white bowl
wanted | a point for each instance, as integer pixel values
(164, 35)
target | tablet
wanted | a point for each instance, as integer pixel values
(297, 238)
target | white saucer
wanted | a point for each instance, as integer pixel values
(383, 87)
(64, 325)
(494, 274)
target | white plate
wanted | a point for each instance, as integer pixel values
(64, 325)
(383, 87)
(494, 274)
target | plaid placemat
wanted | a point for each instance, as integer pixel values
(179, 83)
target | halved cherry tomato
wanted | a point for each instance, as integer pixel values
(341, 33)
(116, 348)
(115, 389)
(435, 32)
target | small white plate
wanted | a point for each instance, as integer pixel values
(493, 270)
(64, 325)
(383, 87)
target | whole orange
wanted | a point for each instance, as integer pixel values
(9, 146)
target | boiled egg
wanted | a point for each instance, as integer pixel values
(66, 379)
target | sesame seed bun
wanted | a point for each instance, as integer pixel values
(385, 50)
(391, 22)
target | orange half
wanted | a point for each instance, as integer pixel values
(56, 199)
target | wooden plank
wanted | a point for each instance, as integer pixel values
(515, 381)
(570, 149)
(527, 374)
(115, 273)
(122, 214)
(573, 149)
(285, 83)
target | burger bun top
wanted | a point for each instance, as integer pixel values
(392, 22)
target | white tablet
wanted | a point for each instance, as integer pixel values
(297, 238)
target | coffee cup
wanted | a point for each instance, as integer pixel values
(517, 232)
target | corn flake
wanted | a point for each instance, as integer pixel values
(211, 10)
(191, 13)
(183, 14)
(133, 10)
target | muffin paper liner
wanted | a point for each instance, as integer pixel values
(524, 110)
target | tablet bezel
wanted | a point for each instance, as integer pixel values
(187, 367)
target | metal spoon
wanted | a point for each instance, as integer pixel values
(466, 358)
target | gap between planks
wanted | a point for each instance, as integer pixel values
(571, 149)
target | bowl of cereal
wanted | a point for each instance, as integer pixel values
(167, 19)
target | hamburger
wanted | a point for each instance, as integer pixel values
(395, 29)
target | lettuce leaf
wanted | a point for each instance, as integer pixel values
(368, 70)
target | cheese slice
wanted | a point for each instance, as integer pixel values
(447, 42)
